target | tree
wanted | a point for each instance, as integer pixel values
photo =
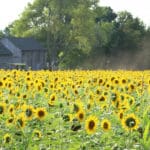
(130, 31)
(104, 30)
(61, 24)
(74, 30)
(104, 14)
(1, 34)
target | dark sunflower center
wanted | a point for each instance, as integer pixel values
(37, 134)
(97, 91)
(24, 96)
(76, 108)
(107, 85)
(91, 124)
(81, 116)
(53, 98)
(8, 139)
(10, 120)
(102, 98)
(117, 104)
(88, 106)
(131, 102)
(41, 113)
(28, 79)
(121, 115)
(28, 112)
(75, 91)
(130, 122)
(11, 109)
(1, 109)
(100, 80)
(116, 81)
(123, 81)
(132, 87)
(1, 83)
(105, 125)
(9, 85)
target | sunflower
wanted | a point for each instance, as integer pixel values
(2, 108)
(107, 85)
(41, 113)
(131, 87)
(116, 81)
(125, 105)
(120, 114)
(76, 91)
(114, 96)
(1, 83)
(53, 97)
(102, 98)
(37, 134)
(68, 117)
(130, 122)
(10, 121)
(28, 111)
(11, 109)
(7, 138)
(98, 91)
(89, 105)
(131, 100)
(77, 106)
(100, 81)
(123, 81)
(103, 106)
(24, 96)
(20, 121)
(80, 115)
(50, 103)
(91, 124)
(106, 125)
(18, 95)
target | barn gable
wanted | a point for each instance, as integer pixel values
(4, 51)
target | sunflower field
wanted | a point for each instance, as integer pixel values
(74, 110)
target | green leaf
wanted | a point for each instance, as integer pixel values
(146, 132)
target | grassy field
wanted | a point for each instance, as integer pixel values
(74, 110)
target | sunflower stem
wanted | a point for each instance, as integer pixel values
(130, 140)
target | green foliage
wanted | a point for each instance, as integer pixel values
(104, 14)
(1, 34)
(76, 28)
(130, 31)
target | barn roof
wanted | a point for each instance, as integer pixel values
(4, 50)
(26, 43)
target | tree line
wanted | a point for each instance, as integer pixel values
(73, 31)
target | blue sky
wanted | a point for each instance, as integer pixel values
(11, 9)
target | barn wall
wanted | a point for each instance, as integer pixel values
(5, 60)
(34, 59)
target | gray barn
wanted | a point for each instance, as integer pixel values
(22, 50)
